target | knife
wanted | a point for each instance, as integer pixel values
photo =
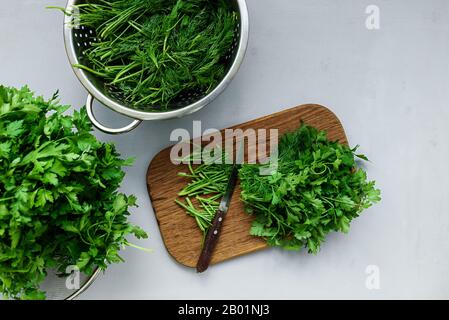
(214, 231)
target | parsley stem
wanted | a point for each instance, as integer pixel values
(138, 247)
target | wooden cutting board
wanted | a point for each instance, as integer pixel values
(180, 233)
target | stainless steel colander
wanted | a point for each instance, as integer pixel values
(77, 39)
(65, 287)
(58, 287)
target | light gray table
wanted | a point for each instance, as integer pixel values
(390, 88)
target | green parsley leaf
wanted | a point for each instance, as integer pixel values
(317, 189)
(59, 199)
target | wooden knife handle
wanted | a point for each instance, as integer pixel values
(210, 242)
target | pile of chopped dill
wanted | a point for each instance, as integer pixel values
(207, 185)
(150, 52)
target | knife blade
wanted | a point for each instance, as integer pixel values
(215, 229)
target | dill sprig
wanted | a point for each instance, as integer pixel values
(207, 185)
(152, 51)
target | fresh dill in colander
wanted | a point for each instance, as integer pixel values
(151, 52)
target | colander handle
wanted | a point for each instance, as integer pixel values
(99, 126)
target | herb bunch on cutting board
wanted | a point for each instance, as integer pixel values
(207, 185)
(59, 199)
(316, 189)
(152, 51)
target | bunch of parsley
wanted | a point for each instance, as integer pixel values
(316, 189)
(59, 203)
(149, 52)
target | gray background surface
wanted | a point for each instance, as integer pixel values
(389, 87)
